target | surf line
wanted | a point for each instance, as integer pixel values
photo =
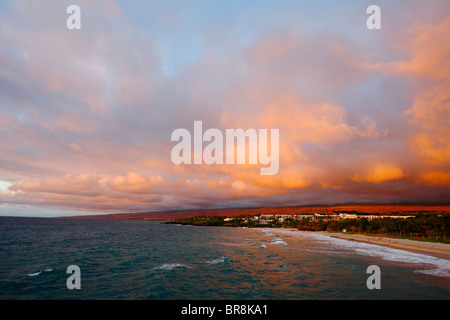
(260, 148)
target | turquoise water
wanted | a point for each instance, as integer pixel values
(150, 260)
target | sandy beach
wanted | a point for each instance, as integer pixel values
(440, 250)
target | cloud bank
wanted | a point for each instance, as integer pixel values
(87, 115)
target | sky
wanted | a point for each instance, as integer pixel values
(86, 116)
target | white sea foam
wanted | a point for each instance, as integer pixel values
(275, 239)
(263, 246)
(267, 232)
(38, 273)
(218, 260)
(234, 244)
(171, 266)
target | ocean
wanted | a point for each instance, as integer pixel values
(141, 260)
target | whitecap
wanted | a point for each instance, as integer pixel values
(266, 232)
(440, 272)
(279, 242)
(275, 239)
(218, 260)
(34, 274)
(171, 266)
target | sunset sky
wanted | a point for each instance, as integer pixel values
(86, 116)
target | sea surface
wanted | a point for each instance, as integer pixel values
(134, 260)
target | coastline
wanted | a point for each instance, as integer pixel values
(439, 250)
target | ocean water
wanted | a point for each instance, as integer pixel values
(134, 260)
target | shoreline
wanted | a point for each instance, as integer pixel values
(439, 250)
(436, 249)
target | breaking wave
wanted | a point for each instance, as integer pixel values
(275, 239)
(426, 264)
(35, 274)
(218, 260)
(171, 266)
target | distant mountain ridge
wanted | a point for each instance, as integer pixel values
(171, 215)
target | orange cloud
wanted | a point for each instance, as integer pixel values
(435, 178)
(429, 51)
(429, 66)
(134, 183)
(379, 173)
(67, 184)
(289, 178)
(435, 149)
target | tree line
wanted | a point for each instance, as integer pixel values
(423, 226)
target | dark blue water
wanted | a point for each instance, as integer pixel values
(150, 260)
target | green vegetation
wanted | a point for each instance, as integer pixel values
(424, 226)
(428, 227)
(241, 221)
